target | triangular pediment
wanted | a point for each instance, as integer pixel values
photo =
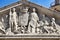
(12, 17)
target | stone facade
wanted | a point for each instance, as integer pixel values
(26, 20)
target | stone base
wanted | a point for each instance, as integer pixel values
(30, 36)
(28, 39)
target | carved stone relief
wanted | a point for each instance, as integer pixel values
(27, 24)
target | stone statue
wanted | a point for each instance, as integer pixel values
(15, 19)
(3, 23)
(33, 22)
(45, 24)
(9, 30)
(53, 22)
(23, 19)
(45, 20)
(51, 29)
(10, 20)
(55, 26)
(2, 28)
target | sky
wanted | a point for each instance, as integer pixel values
(44, 3)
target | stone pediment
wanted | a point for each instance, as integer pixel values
(26, 19)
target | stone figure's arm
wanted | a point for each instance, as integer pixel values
(10, 13)
(31, 16)
(37, 17)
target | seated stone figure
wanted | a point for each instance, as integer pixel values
(45, 24)
(55, 26)
(46, 28)
(33, 22)
(44, 19)
(51, 29)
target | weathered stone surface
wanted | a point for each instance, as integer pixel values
(28, 22)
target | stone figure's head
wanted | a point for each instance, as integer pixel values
(10, 12)
(2, 19)
(34, 10)
(53, 19)
(43, 16)
(14, 9)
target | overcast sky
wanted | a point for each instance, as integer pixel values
(44, 3)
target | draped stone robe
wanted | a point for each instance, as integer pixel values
(33, 21)
(10, 20)
(15, 20)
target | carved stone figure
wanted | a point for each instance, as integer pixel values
(10, 28)
(3, 23)
(15, 19)
(33, 22)
(45, 20)
(51, 29)
(54, 25)
(10, 20)
(45, 24)
(53, 22)
(2, 28)
(6, 21)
